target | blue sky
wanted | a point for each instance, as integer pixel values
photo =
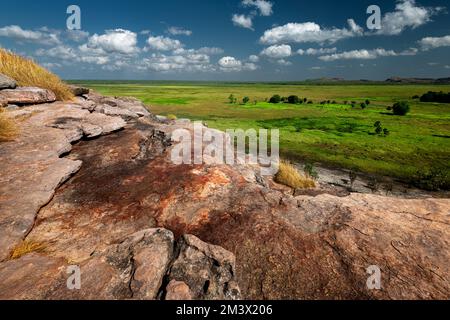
(245, 40)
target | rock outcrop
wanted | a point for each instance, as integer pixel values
(137, 268)
(27, 95)
(141, 227)
(7, 82)
(78, 91)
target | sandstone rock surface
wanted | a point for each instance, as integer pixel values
(27, 95)
(78, 91)
(231, 235)
(136, 268)
(32, 166)
(3, 102)
(7, 82)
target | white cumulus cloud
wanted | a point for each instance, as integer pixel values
(316, 52)
(243, 21)
(362, 54)
(40, 36)
(118, 40)
(177, 31)
(434, 42)
(407, 14)
(264, 7)
(309, 32)
(253, 58)
(277, 51)
(161, 43)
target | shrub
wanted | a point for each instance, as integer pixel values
(311, 171)
(416, 97)
(29, 74)
(293, 100)
(363, 106)
(289, 176)
(305, 100)
(246, 100)
(386, 132)
(401, 108)
(8, 128)
(275, 99)
(439, 97)
(172, 117)
(231, 98)
(367, 102)
(432, 179)
(310, 102)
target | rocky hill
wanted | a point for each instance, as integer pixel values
(90, 183)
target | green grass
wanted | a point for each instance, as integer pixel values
(336, 135)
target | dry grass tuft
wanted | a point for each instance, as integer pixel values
(289, 176)
(26, 247)
(27, 73)
(8, 127)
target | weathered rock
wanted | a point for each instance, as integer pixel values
(127, 103)
(178, 291)
(152, 253)
(78, 91)
(12, 107)
(27, 95)
(133, 269)
(85, 104)
(3, 102)
(286, 248)
(125, 114)
(7, 82)
(207, 270)
(32, 167)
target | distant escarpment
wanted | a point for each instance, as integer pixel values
(90, 184)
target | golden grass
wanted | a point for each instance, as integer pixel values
(8, 127)
(26, 247)
(289, 176)
(27, 73)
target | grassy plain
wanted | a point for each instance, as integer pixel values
(335, 135)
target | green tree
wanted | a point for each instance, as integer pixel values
(246, 100)
(275, 99)
(231, 98)
(293, 100)
(401, 108)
